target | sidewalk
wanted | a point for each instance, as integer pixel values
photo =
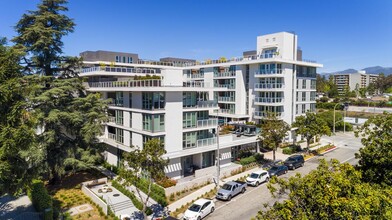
(194, 195)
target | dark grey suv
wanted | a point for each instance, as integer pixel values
(295, 161)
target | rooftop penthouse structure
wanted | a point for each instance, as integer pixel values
(182, 101)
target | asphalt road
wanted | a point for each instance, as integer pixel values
(246, 206)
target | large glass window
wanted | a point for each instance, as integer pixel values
(119, 117)
(303, 96)
(153, 123)
(189, 139)
(120, 135)
(304, 84)
(189, 120)
(189, 99)
(303, 108)
(312, 96)
(160, 138)
(312, 84)
(153, 100)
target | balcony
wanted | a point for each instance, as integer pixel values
(269, 72)
(225, 111)
(226, 99)
(195, 84)
(206, 142)
(116, 102)
(122, 84)
(195, 76)
(268, 114)
(112, 119)
(116, 138)
(207, 104)
(224, 74)
(228, 86)
(269, 100)
(269, 86)
(118, 70)
(207, 123)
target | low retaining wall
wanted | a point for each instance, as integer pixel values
(202, 176)
(92, 195)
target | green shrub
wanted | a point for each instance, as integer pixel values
(41, 199)
(166, 182)
(291, 149)
(135, 201)
(247, 160)
(157, 192)
(110, 167)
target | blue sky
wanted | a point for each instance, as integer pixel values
(340, 34)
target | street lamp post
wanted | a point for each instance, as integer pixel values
(334, 117)
(218, 151)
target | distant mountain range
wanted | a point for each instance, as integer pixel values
(369, 70)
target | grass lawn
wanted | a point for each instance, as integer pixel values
(67, 194)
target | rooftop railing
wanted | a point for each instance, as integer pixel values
(131, 83)
(118, 70)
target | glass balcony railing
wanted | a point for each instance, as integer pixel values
(269, 72)
(226, 99)
(206, 142)
(224, 74)
(269, 85)
(207, 123)
(269, 100)
(207, 104)
(111, 119)
(116, 138)
(225, 111)
(268, 114)
(118, 70)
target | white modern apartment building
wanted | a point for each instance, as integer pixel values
(181, 101)
(351, 81)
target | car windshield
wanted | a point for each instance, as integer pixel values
(290, 159)
(194, 208)
(254, 176)
(274, 168)
(226, 187)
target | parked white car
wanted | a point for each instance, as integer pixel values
(255, 178)
(199, 209)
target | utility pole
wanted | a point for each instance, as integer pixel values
(218, 151)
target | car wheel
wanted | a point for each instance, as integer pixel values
(257, 183)
(229, 198)
(285, 171)
(243, 190)
(212, 209)
(199, 218)
(267, 179)
(302, 164)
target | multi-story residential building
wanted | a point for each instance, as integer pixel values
(351, 81)
(182, 101)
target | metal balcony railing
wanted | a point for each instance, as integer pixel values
(116, 102)
(269, 72)
(269, 114)
(229, 86)
(115, 138)
(269, 100)
(269, 85)
(131, 83)
(207, 104)
(225, 111)
(193, 76)
(224, 74)
(118, 70)
(226, 99)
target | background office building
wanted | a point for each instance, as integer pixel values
(182, 101)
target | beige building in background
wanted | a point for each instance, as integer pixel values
(352, 80)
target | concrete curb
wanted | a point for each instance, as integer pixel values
(322, 154)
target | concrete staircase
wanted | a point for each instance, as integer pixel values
(121, 205)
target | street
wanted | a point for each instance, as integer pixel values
(246, 206)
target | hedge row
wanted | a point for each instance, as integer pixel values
(255, 158)
(328, 105)
(157, 192)
(135, 201)
(41, 199)
(291, 149)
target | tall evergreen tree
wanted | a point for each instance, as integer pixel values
(17, 142)
(70, 118)
(40, 32)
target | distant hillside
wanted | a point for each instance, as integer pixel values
(369, 70)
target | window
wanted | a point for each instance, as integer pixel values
(189, 99)
(119, 117)
(130, 119)
(312, 96)
(304, 84)
(130, 139)
(129, 59)
(118, 58)
(303, 96)
(189, 139)
(130, 100)
(303, 108)
(297, 83)
(296, 109)
(312, 107)
(312, 84)
(153, 123)
(153, 100)
(189, 120)
(297, 98)
(120, 135)
(123, 59)
(160, 138)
